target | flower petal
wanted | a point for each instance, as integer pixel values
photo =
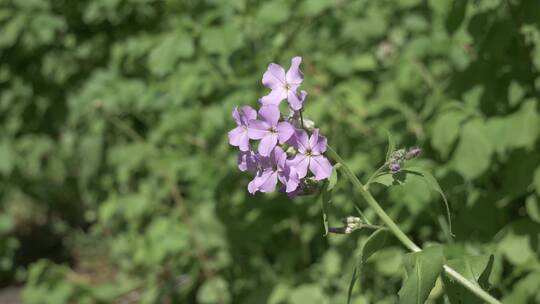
(296, 100)
(268, 181)
(275, 97)
(279, 156)
(258, 129)
(270, 114)
(300, 163)
(317, 142)
(238, 138)
(320, 167)
(274, 76)
(302, 143)
(294, 75)
(247, 161)
(247, 113)
(285, 130)
(267, 143)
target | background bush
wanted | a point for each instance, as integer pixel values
(118, 184)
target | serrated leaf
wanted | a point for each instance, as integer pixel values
(474, 268)
(423, 268)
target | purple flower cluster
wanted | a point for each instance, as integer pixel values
(304, 160)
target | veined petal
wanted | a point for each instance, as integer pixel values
(320, 146)
(268, 181)
(302, 141)
(314, 139)
(270, 114)
(267, 144)
(274, 76)
(279, 156)
(294, 75)
(246, 113)
(285, 131)
(296, 101)
(258, 129)
(320, 167)
(247, 161)
(236, 136)
(300, 163)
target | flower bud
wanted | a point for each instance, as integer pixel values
(412, 153)
(309, 124)
(394, 167)
(351, 220)
(398, 155)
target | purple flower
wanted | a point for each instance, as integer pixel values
(269, 130)
(274, 168)
(239, 136)
(394, 167)
(248, 161)
(310, 155)
(284, 85)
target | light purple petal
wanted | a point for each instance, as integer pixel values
(313, 139)
(236, 116)
(270, 114)
(300, 163)
(290, 179)
(258, 129)
(268, 181)
(285, 130)
(294, 75)
(267, 144)
(296, 101)
(247, 113)
(320, 146)
(320, 167)
(274, 76)
(302, 141)
(238, 137)
(274, 97)
(247, 161)
(279, 156)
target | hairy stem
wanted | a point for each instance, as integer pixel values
(370, 200)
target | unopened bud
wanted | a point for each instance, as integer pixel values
(398, 155)
(394, 167)
(309, 124)
(351, 220)
(291, 151)
(412, 153)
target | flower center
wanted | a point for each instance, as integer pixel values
(287, 86)
(272, 130)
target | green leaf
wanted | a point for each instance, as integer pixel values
(533, 208)
(164, 57)
(391, 145)
(423, 268)
(375, 242)
(432, 183)
(536, 180)
(474, 268)
(445, 131)
(474, 151)
(332, 180)
(215, 290)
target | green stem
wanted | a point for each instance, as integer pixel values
(366, 186)
(370, 200)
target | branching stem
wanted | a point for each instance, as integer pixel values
(400, 235)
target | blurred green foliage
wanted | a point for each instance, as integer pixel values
(118, 184)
